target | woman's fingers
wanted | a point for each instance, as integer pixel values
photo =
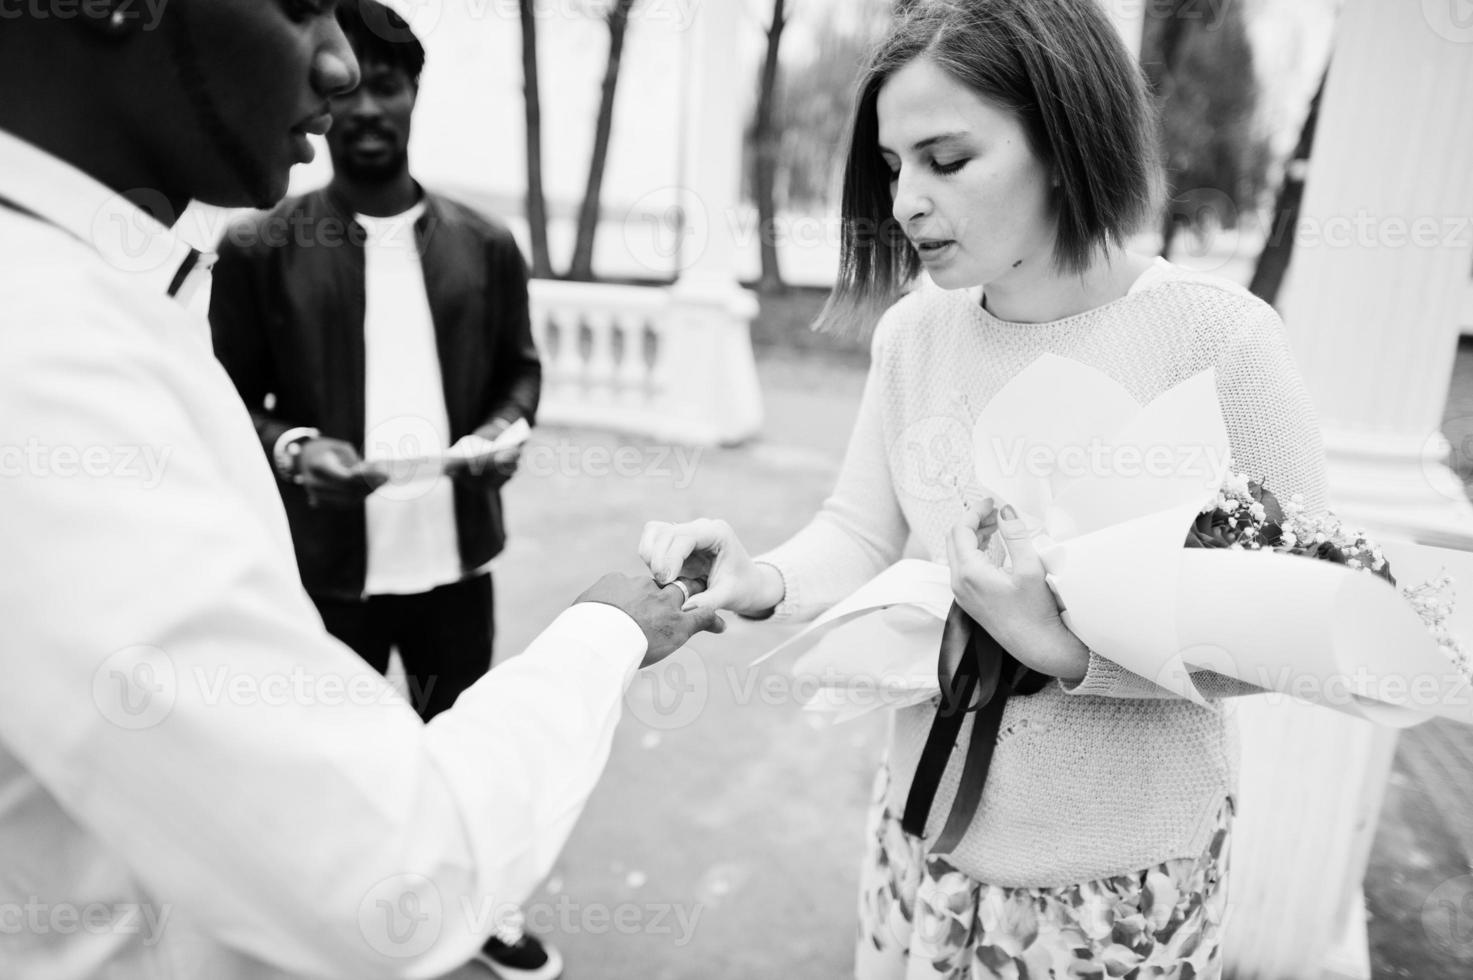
(720, 593)
(969, 566)
(647, 541)
(673, 554)
(986, 525)
(659, 547)
(666, 548)
(961, 542)
(1026, 563)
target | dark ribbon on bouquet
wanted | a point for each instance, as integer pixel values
(977, 676)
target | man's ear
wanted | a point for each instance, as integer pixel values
(112, 18)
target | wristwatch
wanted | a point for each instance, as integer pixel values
(288, 448)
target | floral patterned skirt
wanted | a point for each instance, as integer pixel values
(922, 919)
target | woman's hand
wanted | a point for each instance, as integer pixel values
(709, 549)
(1018, 609)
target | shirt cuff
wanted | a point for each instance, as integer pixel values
(621, 640)
(278, 448)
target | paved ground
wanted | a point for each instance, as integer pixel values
(727, 829)
(723, 840)
(1419, 887)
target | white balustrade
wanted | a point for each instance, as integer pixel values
(647, 360)
(618, 357)
(670, 363)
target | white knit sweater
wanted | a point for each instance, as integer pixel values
(1114, 774)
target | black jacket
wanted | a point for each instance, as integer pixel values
(287, 316)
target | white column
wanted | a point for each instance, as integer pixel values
(709, 377)
(1129, 17)
(1377, 289)
(1372, 306)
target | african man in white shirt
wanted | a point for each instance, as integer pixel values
(196, 779)
(375, 318)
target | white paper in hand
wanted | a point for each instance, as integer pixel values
(877, 648)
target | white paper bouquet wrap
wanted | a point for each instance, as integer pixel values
(1110, 487)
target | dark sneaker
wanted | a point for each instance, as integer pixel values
(513, 954)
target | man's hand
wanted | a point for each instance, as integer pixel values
(656, 610)
(332, 475)
(489, 470)
(472, 459)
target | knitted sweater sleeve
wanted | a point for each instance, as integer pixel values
(1275, 438)
(860, 530)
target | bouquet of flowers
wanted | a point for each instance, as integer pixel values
(1335, 631)
(1110, 489)
(1248, 517)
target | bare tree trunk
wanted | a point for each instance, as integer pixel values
(766, 139)
(532, 107)
(1173, 30)
(1168, 229)
(1273, 261)
(588, 214)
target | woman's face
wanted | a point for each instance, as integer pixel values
(965, 185)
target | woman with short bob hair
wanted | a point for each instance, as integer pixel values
(1082, 104)
(1005, 148)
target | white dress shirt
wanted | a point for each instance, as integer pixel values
(412, 541)
(196, 781)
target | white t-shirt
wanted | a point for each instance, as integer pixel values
(412, 542)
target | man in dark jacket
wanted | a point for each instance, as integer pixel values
(380, 336)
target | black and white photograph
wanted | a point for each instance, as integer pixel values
(727, 489)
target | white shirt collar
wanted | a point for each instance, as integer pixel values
(124, 235)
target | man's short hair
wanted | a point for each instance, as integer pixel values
(378, 34)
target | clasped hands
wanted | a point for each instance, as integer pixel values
(1016, 606)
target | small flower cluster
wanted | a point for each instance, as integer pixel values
(1246, 516)
(1433, 601)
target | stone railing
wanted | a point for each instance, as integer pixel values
(663, 362)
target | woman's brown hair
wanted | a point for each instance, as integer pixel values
(1063, 69)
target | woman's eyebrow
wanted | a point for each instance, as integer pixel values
(929, 141)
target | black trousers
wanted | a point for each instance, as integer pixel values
(444, 637)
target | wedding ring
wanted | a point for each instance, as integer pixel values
(688, 587)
